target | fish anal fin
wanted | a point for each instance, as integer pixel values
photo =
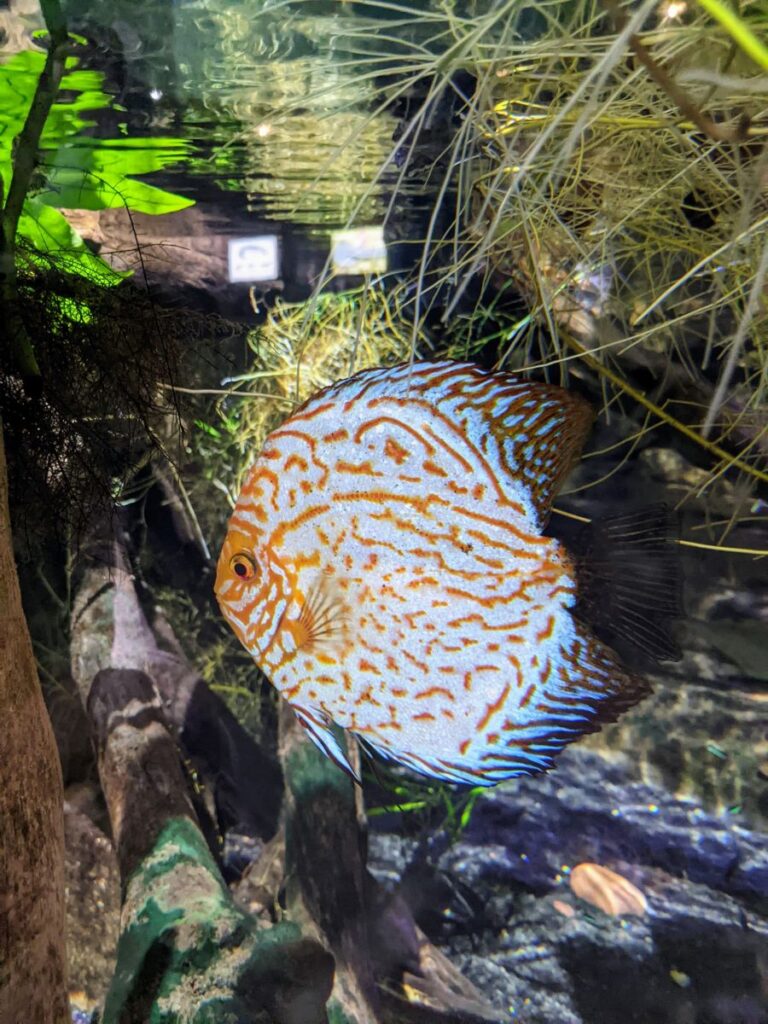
(320, 732)
(593, 690)
(621, 689)
(599, 687)
(441, 769)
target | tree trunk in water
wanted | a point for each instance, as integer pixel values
(325, 869)
(387, 971)
(32, 955)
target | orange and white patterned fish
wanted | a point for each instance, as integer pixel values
(385, 566)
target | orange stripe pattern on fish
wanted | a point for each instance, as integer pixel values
(385, 566)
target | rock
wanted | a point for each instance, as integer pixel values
(704, 875)
(531, 831)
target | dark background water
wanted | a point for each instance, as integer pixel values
(293, 133)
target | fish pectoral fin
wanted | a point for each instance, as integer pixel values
(324, 617)
(320, 732)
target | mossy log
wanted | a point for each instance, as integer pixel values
(246, 785)
(32, 954)
(110, 629)
(186, 951)
(183, 936)
(325, 869)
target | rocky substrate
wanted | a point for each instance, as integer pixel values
(494, 901)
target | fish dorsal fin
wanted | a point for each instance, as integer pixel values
(321, 734)
(528, 431)
(540, 430)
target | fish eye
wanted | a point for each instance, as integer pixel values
(243, 566)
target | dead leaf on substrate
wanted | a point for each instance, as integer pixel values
(607, 890)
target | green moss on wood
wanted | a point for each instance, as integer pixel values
(187, 952)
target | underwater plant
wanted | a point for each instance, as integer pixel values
(604, 173)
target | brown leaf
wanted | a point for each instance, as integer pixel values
(606, 890)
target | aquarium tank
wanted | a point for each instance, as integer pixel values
(384, 512)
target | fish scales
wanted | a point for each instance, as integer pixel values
(385, 566)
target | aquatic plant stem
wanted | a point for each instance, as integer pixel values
(738, 30)
(737, 343)
(27, 145)
(722, 547)
(756, 552)
(581, 100)
(720, 133)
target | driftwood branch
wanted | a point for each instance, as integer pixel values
(386, 968)
(147, 705)
(187, 952)
(325, 867)
(111, 630)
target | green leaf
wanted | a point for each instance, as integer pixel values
(78, 312)
(81, 190)
(52, 235)
(82, 172)
(207, 428)
(111, 159)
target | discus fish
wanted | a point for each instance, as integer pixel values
(386, 567)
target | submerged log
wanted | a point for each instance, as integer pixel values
(32, 955)
(387, 970)
(245, 783)
(325, 867)
(186, 952)
(110, 629)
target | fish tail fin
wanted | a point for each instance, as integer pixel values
(630, 582)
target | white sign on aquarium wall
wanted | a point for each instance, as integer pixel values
(359, 251)
(254, 259)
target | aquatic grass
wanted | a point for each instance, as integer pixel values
(433, 806)
(739, 30)
(576, 176)
(566, 176)
(293, 354)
